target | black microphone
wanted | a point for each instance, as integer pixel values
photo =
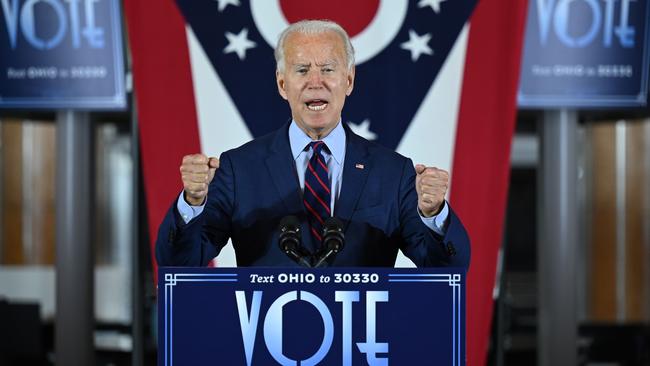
(333, 240)
(290, 240)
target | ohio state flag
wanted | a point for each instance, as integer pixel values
(436, 80)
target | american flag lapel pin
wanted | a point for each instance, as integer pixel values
(359, 166)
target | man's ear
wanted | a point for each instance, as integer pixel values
(279, 79)
(350, 81)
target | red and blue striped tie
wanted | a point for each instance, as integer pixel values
(316, 197)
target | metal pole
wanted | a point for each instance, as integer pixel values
(621, 252)
(557, 247)
(137, 331)
(74, 342)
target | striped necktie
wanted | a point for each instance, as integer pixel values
(316, 197)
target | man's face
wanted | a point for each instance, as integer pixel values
(315, 81)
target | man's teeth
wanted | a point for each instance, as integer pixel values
(314, 107)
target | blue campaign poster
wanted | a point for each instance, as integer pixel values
(586, 53)
(61, 54)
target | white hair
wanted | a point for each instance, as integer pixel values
(313, 27)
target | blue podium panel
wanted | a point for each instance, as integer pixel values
(333, 316)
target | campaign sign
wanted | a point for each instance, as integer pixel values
(333, 316)
(586, 53)
(61, 54)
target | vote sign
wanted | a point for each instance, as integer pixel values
(264, 316)
(61, 54)
(586, 53)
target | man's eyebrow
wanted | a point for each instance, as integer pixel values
(297, 65)
(327, 63)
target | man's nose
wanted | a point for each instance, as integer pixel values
(315, 79)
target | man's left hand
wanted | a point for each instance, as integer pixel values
(431, 184)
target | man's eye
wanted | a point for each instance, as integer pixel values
(328, 70)
(302, 71)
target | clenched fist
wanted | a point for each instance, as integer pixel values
(431, 185)
(197, 172)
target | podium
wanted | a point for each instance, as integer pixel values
(296, 316)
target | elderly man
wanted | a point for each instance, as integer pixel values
(312, 168)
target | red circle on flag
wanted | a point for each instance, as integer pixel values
(353, 16)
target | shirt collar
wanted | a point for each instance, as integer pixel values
(335, 141)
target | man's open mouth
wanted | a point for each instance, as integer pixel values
(316, 104)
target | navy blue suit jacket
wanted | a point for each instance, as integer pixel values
(257, 185)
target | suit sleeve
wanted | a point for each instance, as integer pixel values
(421, 244)
(202, 238)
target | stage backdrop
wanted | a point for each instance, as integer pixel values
(436, 80)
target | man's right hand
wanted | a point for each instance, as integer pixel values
(197, 172)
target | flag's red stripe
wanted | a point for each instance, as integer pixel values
(484, 133)
(165, 100)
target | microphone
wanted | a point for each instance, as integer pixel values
(333, 239)
(290, 240)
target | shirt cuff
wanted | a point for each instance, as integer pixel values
(437, 222)
(188, 212)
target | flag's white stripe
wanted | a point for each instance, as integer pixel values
(221, 127)
(431, 136)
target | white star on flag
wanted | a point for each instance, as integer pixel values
(434, 4)
(224, 3)
(417, 45)
(363, 129)
(239, 43)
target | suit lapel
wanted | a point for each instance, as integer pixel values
(282, 169)
(355, 173)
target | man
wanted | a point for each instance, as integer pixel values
(312, 168)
